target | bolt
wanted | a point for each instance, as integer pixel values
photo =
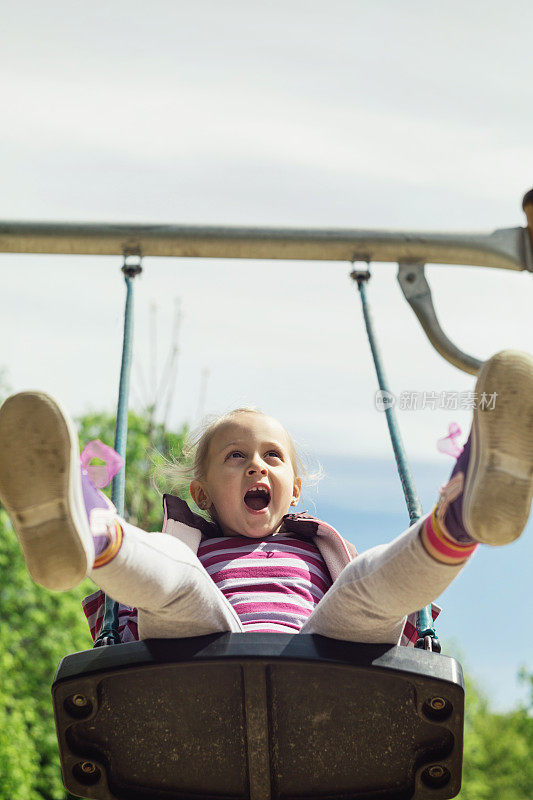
(436, 776)
(79, 700)
(437, 703)
(410, 277)
(88, 768)
(436, 772)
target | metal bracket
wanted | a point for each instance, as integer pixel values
(132, 262)
(360, 276)
(417, 292)
(113, 637)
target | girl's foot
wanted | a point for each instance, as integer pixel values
(488, 497)
(41, 490)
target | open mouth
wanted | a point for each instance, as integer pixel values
(257, 498)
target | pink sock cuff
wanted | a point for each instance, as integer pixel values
(114, 546)
(440, 545)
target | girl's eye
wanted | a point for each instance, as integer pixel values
(234, 454)
(273, 454)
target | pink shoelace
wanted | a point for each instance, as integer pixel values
(100, 475)
(448, 444)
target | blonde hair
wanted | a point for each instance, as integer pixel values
(191, 464)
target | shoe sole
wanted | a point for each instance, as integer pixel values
(499, 482)
(40, 488)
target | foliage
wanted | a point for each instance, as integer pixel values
(498, 763)
(37, 629)
(149, 444)
(18, 754)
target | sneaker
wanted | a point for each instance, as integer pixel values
(488, 497)
(41, 490)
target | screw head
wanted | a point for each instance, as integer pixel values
(436, 775)
(435, 772)
(437, 708)
(79, 700)
(78, 705)
(86, 773)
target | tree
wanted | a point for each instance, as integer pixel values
(498, 763)
(149, 445)
(37, 629)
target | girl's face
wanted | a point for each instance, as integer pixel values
(250, 480)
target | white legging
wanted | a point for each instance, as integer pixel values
(176, 597)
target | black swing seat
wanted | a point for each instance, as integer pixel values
(259, 716)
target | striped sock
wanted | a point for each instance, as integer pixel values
(441, 546)
(115, 536)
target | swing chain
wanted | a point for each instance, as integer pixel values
(427, 636)
(132, 266)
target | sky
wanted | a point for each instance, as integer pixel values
(362, 114)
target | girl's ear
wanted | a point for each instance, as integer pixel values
(296, 491)
(199, 495)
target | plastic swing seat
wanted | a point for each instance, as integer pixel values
(259, 716)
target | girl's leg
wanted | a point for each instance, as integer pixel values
(62, 523)
(372, 596)
(487, 499)
(165, 581)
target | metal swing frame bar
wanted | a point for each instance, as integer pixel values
(508, 248)
(505, 248)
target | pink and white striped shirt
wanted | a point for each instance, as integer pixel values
(301, 529)
(273, 583)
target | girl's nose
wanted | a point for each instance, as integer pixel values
(257, 467)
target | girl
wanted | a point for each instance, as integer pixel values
(253, 566)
